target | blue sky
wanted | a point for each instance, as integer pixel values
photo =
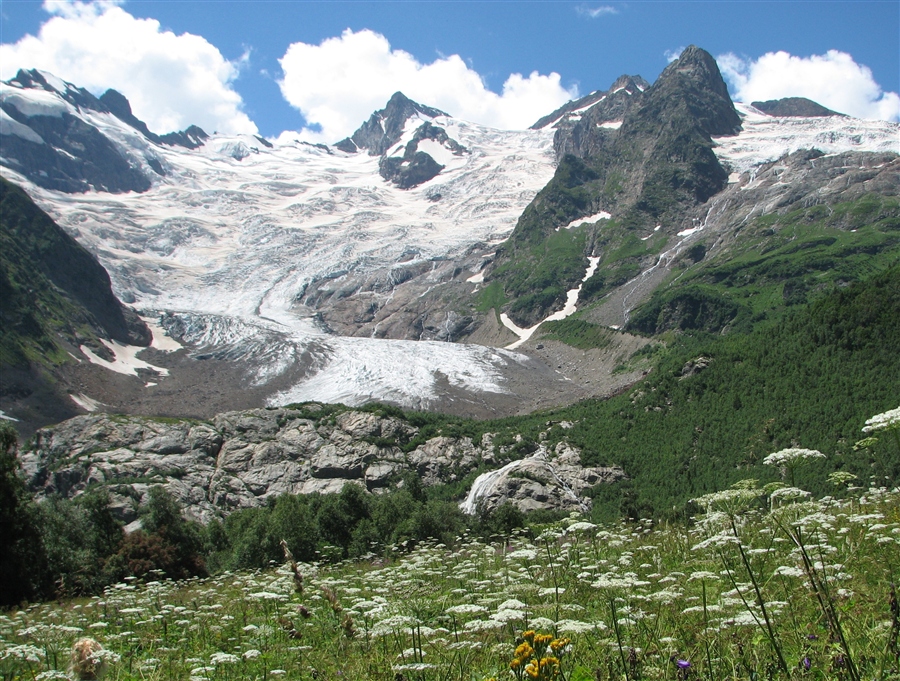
(231, 65)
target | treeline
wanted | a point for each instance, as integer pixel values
(67, 547)
(715, 406)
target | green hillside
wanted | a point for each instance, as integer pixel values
(51, 288)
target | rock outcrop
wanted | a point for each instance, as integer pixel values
(48, 141)
(794, 106)
(242, 459)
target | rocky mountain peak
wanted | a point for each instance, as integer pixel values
(794, 106)
(632, 84)
(34, 79)
(694, 84)
(385, 127)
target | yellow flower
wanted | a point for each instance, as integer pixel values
(558, 646)
(524, 651)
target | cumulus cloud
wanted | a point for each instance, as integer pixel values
(594, 12)
(172, 81)
(338, 83)
(833, 79)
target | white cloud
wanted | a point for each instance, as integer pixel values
(340, 82)
(594, 12)
(833, 80)
(172, 81)
(672, 55)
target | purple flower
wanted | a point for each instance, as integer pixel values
(683, 664)
(807, 663)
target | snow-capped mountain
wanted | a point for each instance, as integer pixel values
(338, 273)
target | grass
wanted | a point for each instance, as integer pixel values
(765, 584)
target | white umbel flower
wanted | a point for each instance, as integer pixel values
(888, 420)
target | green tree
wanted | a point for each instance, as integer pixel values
(21, 551)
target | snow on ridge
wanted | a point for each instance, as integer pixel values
(767, 138)
(33, 102)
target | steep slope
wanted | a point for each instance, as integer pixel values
(51, 137)
(56, 297)
(650, 170)
(258, 255)
(670, 190)
(287, 271)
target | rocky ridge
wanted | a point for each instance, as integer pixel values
(242, 459)
(58, 150)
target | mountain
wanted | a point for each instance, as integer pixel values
(56, 298)
(438, 264)
(793, 106)
(57, 136)
(406, 138)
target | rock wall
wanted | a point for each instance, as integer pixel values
(241, 459)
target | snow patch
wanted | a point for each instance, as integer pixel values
(440, 153)
(568, 309)
(602, 215)
(125, 362)
(6, 416)
(86, 403)
(161, 340)
(610, 125)
(688, 232)
(34, 103)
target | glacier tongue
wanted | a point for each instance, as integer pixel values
(231, 236)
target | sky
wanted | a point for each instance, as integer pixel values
(315, 70)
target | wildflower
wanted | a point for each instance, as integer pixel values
(684, 668)
(889, 420)
(792, 458)
(840, 478)
(466, 609)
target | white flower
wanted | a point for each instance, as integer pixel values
(574, 627)
(792, 455)
(512, 604)
(251, 654)
(268, 596)
(224, 658)
(789, 571)
(466, 609)
(888, 420)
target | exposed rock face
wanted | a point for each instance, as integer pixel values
(415, 167)
(584, 126)
(793, 106)
(385, 127)
(651, 169)
(546, 479)
(120, 107)
(385, 134)
(240, 459)
(44, 141)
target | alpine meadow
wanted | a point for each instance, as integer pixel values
(613, 397)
